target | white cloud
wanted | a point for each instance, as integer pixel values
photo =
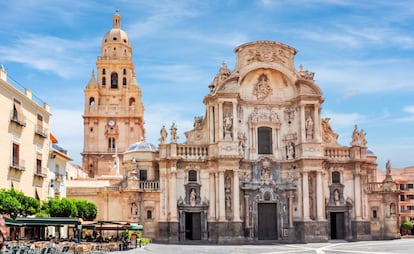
(49, 53)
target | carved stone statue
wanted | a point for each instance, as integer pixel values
(163, 135)
(174, 135)
(262, 89)
(336, 197)
(228, 126)
(192, 198)
(309, 128)
(290, 150)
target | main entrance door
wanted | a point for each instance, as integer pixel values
(337, 225)
(193, 226)
(267, 221)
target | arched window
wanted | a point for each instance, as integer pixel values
(103, 81)
(336, 177)
(91, 102)
(114, 80)
(192, 176)
(124, 71)
(264, 136)
(131, 101)
(103, 71)
(124, 81)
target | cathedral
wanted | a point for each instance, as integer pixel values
(261, 164)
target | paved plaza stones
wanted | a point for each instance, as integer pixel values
(333, 247)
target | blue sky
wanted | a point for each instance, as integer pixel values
(362, 53)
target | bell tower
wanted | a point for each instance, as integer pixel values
(114, 113)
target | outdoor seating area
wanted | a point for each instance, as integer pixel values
(45, 247)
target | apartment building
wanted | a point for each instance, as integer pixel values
(24, 142)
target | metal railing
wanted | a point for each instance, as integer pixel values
(41, 131)
(18, 165)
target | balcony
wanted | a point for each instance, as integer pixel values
(150, 185)
(41, 172)
(192, 152)
(18, 165)
(40, 131)
(338, 152)
(15, 120)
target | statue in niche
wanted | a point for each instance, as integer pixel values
(290, 150)
(228, 202)
(227, 187)
(228, 126)
(262, 89)
(336, 197)
(174, 135)
(163, 134)
(192, 197)
(309, 128)
(242, 143)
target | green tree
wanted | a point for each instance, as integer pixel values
(15, 203)
(60, 208)
(86, 210)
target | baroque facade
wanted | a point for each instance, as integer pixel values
(261, 164)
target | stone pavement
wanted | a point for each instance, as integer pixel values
(334, 247)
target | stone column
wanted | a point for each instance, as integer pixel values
(172, 190)
(302, 122)
(246, 211)
(220, 121)
(357, 191)
(212, 208)
(319, 196)
(212, 123)
(316, 124)
(290, 200)
(217, 206)
(236, 196)
(222, 211)
(235, 123)
(305, 196)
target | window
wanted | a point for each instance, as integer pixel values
(103, 71)
(91, 102)
(410, 186)
(103, 81)
(143, 175)
(124, 72)
(192, 176)
(124, 81)
(402, 187)
(264, 140)
(114, 80)
(336, 177)
(16, 155)
(17, 115)
(374, 214)
(38, 166)
(149, 214)
(111, 144)
(40, 122)
(131, 101)
(402, 198)
(410, 208)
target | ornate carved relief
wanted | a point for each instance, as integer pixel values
(262, 89)
(358, 137)
(328, 136)
(264, 115)
(228, 193)
(242, 143)
(289, 114)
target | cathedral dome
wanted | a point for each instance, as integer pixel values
(116, 34)
(142, 146)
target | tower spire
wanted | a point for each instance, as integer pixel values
(117, 20)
